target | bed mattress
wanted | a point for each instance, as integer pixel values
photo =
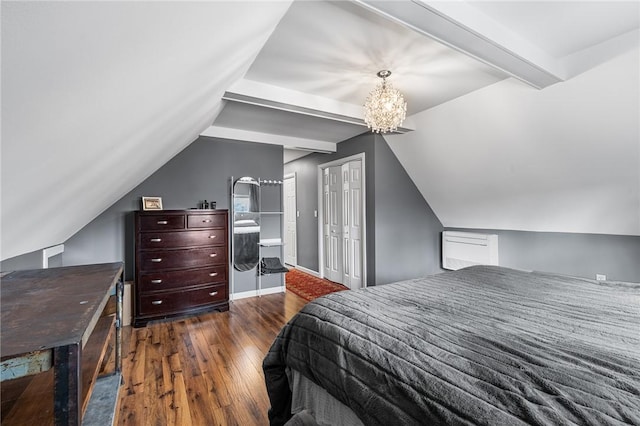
(482, 345)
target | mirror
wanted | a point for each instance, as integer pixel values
(246, 223)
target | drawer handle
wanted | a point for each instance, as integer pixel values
(156, 281)
(156, 302)
(213, 293)
(213, 274)
(213, 254)
(212, 236)
(206, 221)
(157, 260)
(162, 222)
(156, 240)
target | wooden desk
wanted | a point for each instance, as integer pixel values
(55, 311)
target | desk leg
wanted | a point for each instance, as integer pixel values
(66, 385)
(119, 302)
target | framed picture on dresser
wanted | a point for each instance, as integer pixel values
(151, 203)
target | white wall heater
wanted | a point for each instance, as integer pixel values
(461, 249)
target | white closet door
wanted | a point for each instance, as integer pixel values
(332, 226)
(290, 221)
(353, 227)
(343, 221)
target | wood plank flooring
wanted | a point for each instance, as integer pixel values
(204, 370)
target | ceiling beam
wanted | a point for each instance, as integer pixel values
(288, 142)
(466, 29)
(269, 96)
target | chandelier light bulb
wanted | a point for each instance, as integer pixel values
(385, 108)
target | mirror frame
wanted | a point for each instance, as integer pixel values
(246, 223)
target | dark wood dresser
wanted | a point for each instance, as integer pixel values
(181, 263)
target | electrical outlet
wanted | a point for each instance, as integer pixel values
(601, 277)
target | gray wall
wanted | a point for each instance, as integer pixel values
(397, 214)
(407, 230)
(200, 171)
(31, 260)
(582, 255)
(19, 263)
(397, 217)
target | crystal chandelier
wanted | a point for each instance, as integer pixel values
(385, 109)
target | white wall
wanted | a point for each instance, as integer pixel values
(562, 159)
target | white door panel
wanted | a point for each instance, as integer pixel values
(354, 225)
(333, 270)
(346, 262)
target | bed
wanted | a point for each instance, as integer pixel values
(481, 345)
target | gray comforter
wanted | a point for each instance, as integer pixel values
(483, 345)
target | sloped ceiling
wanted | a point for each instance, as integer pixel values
(96, 96)
(564, 159)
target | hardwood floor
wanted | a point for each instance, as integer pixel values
(204, 370)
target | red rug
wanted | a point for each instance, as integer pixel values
(309, 287)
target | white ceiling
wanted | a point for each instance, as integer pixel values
(96, 96)
(436, 50)
(561, 28)
(335, 49)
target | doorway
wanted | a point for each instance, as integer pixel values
(342, 229)
(290, 220)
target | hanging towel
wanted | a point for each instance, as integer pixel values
(272, 265)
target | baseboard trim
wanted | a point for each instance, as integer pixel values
(309, 271)
(254, 293)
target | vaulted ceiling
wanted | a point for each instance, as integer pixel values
(96, 96)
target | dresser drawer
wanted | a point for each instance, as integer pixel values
(159, 281)
(158, 260)
(154, 240)
(171, 302)
(152, 223)
(206, 220)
